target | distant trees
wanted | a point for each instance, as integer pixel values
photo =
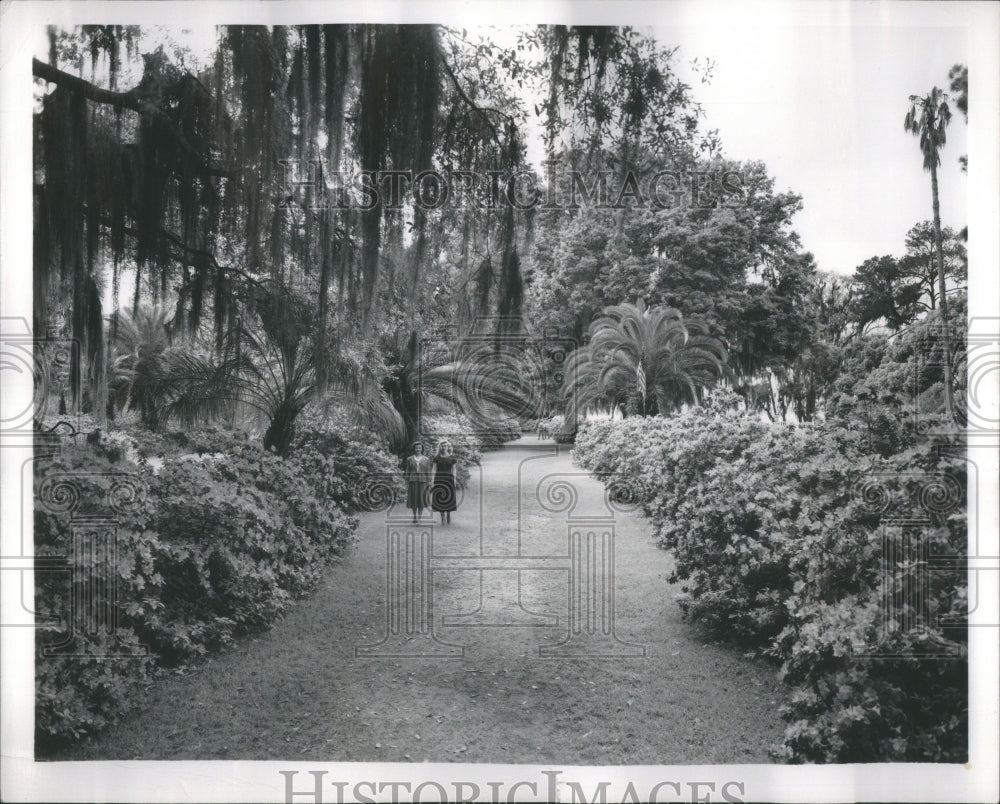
(192, 186)
(896, 291)
(919, 264)
(882, 294)
(959, 77)
(722, 252)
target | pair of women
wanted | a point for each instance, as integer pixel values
(433, 478)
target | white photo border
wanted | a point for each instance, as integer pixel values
(228, 781)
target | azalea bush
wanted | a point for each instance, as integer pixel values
(879, 672)
(562, 431)
(210, 440)
(81, 683)
(358, 458)
(554, 424)
(207, 549)
(781, 546)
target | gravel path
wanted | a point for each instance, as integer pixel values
(302, 692)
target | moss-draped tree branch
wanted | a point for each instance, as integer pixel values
(132, 100)
(484, 112)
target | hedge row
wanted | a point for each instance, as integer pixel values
(784, 541)
(208, 548)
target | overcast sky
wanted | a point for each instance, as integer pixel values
(823, 107)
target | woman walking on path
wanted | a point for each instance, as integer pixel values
(418, 478)
(444, 499)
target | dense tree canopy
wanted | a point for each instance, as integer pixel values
(202, 187)
(281, 166)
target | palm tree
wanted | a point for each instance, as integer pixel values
(141, 351)
(928, 118)
(277, 363)
(481, 378)
(646, 360)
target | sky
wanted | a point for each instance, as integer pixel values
(823, 107)
(820, 99)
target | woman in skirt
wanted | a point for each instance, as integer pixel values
(418, 478)
(443, 496)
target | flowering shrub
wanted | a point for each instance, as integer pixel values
(780, 544)
(201, 441)
(356, 457)
(554, 424)
(212, 548)
(79, 694)
(908, 702)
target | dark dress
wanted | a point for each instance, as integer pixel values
(418, 476)
(443, 495)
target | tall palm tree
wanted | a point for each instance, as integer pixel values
(928, 118)
(650, 360)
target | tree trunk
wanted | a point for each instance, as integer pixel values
(407, 405)
(281, 430)
(945, 334)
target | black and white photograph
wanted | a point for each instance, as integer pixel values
(474, 402)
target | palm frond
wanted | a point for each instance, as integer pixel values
(677, 357)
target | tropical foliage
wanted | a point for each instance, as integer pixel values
(928, 119)
(643, 360)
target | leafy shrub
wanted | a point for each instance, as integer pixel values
(208, 440)
(778, 538)
(143, 444)
(244, 534)
(554, 424)
(557, 429)
(81, 693)
(498, 432)
(215, 547)
(356, 456)
(909, 704)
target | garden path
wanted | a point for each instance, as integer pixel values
(300, 692)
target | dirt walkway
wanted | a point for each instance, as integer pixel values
(484, 694)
